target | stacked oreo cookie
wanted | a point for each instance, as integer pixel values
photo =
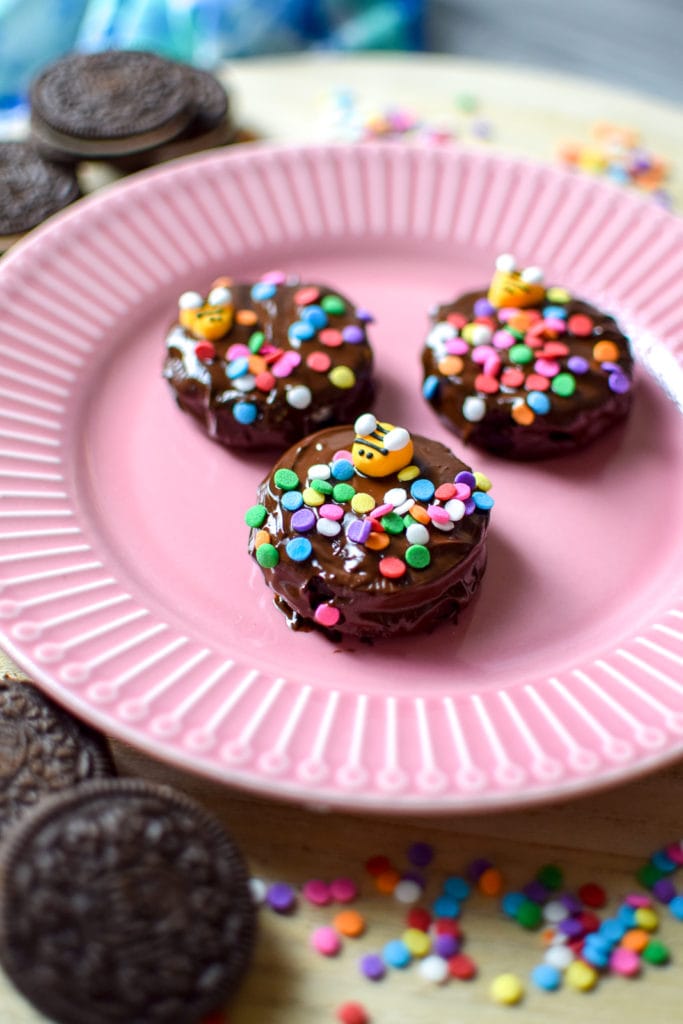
(127, 106)
(130, 109)
(120, 900)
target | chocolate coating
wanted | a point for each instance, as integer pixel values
(31, 188)
(126, 903)
(109, 104)
(346, 574)
(204, 389)
(43, 750)
(571, 422)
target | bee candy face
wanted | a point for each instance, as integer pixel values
(379, 448)
(514, 288)
(211, 318)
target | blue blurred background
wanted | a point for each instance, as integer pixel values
(629, 42)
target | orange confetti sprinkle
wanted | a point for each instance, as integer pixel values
(635, 939)
(451, 366)
(388, 880)
(491, 881)
(605, 352)
(262, 537)
(522, 414)
(377, 542)
(246, 317)
(350, 923)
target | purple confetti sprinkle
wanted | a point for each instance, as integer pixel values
(372, 966)
(664, 890)
(420, 854)
(466, 478)
(281, 897)
(571, 902)
(571, 927)
(359, 530)
(535, 891)
(353, 334)
(446, 945)
(577, 364)
(469, 506)
(482, 307)
(477, 868)
(303, 520)
(619, 383)
(365, 315)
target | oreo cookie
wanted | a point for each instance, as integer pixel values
(110, 104)
(211, 125)
(124, 902)
(31, 189)
(43, 750)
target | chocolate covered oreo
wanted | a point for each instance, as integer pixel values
(31, 189)
(526, 371)
(43, 750)
(124, 902)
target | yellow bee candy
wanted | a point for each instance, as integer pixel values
(380, 449)
(511, 287)
(210, 319)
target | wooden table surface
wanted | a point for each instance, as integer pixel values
(602, 837)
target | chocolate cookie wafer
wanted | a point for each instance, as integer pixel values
(124, 902)
(31, 189)
(43, 750)
(111, 104)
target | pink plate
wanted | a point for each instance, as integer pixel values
(126, 589)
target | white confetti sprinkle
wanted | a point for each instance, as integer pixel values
(299, 397)
(474, 409)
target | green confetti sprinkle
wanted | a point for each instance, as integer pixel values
(418, 556)
(256, 341)
(255, 516)
(286, 479)
(333, 304)
(267, 556)
(392, 523)
(563, 385)
(521, 354)
(343, 492)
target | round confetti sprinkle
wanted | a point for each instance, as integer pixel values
(418, 942)
(321, 486)
(300, 330)
(315, 316)
(581, 976)
(312, 496)
(281, 897)
(559, 956)
(539, 402)
(286, 479)
(303, 520)
(299, 397)
(352, 1013)
(205, 351)
(625, 962)
(325, 940)
(593, 895)
(546, 977)
(343, 469)
(320, 362)
(392, 568)
(245, 412)
(474, 408)
(317, 892)
(255, 516)
(647, 918)
(342, 377)
(529, 915)
(446, 906)
(422, 489)
(420, 918)
(619, 383)
(407, 891)
(392, 523)
(564, 384)
(306, 295)
(327, 615)
(258, 890)
(434, 969)
(656, 953)
(343, 890)
(430, 387)
(490, 881)
(417, 556)
(446, 945)
(372, 966)
(396, 954)
(299, 549)
(377, 865)
(262, 291)
(507, 989)
(349, 923)
(521, 354)
(580, 325)
(267, 556)
(333, 304)
(330, 337)
(353, 334)
(462, 966)
(457, 887)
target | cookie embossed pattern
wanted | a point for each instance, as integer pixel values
(127, 591)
